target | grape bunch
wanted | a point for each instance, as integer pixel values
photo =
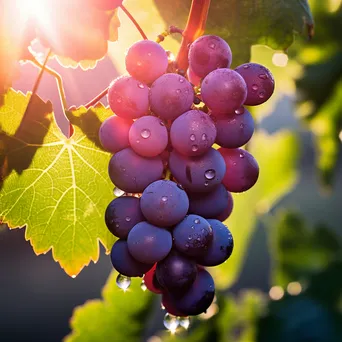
(175, 185)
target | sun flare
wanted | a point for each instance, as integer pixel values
(35, 9)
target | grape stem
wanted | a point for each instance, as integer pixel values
(131, 18)
(96, 99)
(194, 28)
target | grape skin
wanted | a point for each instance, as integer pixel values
(208, 53)
(122, 214)
(227, 210)
(164, 204)
(242, 169)
(146, 61)
(170, 96)
(193, 78)
(105, 5)
(124, 263)
(148, 243)
(168, 303)
(128, 97)
(148, 136)
(193, 133)
(224, 91)
(151, 281)
(113, 133)
(133, 173)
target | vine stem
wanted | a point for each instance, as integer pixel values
(96, 99)
(194, 28)
(131, 18)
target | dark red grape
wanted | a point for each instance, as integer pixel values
(151, 281)
(124, 263)
(227, 210)
(148, 243)
(242, 169)
(168, 303)
(260, 83)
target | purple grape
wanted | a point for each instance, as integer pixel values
(193, 133)
(220, 248)
(176, 273)
(193, 78)
(199, 297)
(122, 214)
(260, 83)
(227, 210)
(193, 235)
(224, 91)
(128, 98)
(234, 130)
(124, 263)
(209, 204)
(148, 136)
(113, 133)
(198, 174)
(164, 204)
(242, 169)
(170, 96)
(133, 173)
(146, 61)
(168, 303)
(148, 243)
(208, 53)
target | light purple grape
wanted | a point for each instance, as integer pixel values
(133, 173)
(198, 174)
(193, 78)
(242, 169)
(260, 83)
(234, 130)
(170, 96)
(113, 133)
(224, 91)
(208, 53)
(193, 133)
(146, 61)
(148, 136)
(128, 98)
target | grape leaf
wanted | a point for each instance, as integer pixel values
(57, 187)
(248, 22)
(277, 157)
(119, 317)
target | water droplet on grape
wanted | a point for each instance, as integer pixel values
(128, 218)
(184, 322)
(143, 286)
(180, 186)
(204, 137)
(197, 221)
(149, 54)
(246, 66)
(162, 123)
(118, 192)
(210, 174)
(194, 148)
(239, 111)
(212, 46)
(145, 133)
(171, 322)
(178, 91)
(117, 225)
(141, 86)
(192, 137)
(206, 183)
(181, 79)
(189, 237)
(263, 76)
(241, 155)
(164, 198)
(187, 245)
(262, 95)
(119, 100)
(139, 63)
(255, 87)
(242, 125)
(123, 282)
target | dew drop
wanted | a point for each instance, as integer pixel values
(189, 237)
(118, 192)
(192, 137)
(197, 221)
(141, 86)
(241, 155)
(164, 198)
(242, 125)
(127, 218)
(178, 91)
(212, 46)
(139, 63)
(255, 87)
(239, 111)
(206, 183)
(194, 148)
(181, 79)
(210, 174)
(246, 66)
(145, 133)
(161, 123)
(117, 225)
(119, 100)
(149, 54)
(204, 137)
(171, 323)
(123, 282)
(263, 76)
(180, 186)
(262, 95)
(184, 322)
(143, 286)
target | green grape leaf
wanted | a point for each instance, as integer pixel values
(277, 156)
(120, 316)
(249, 22)
(57, 187)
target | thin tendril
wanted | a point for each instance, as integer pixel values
(129, 15)
(96, 99)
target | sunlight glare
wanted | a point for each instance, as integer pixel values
(35, 9)
(280, 59)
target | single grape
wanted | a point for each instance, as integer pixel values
(122, 214)
(151, 281)
(193, 235)
(193, 78)
(176, 273)
(260, 83)
(227, 210)
(113, 133)
(193, 133)
(198, 174)
(128, 97)
(242, 169)
(209, 204)
(234, 130)
(208, 53)
(148, 136)
(164, 204)
(124, 263)
(220, 248)
(199, 297)
(148, 243)
(105, 5)
(146, 61)
(224, 91)
(168, 303)
(133, 173)
(170, 96)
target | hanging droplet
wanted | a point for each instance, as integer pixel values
(128, 218)
(210, 174)
(164, 198)
(123, 282)
(184, 322)
(171, 322)
(118, 192)
(143, 286)
(240, 111)
(145, 133)
(192, 137)
(255, 87)
(194, 148)
(197, 221)
(263, 76)
(204, 137)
